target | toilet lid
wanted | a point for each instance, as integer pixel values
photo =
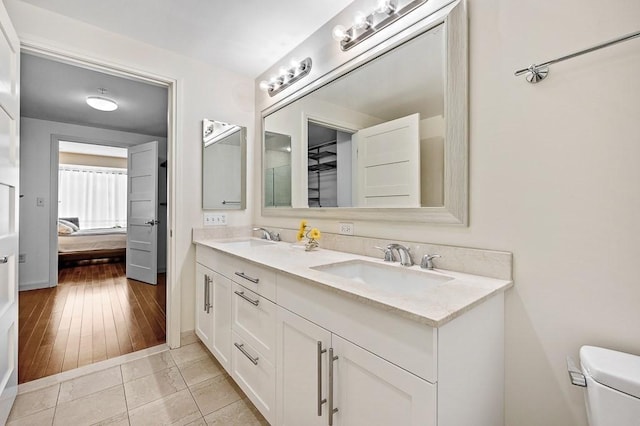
(618, 370)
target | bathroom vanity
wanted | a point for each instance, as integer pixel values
(332, 338)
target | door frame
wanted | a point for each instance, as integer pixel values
(174, 123)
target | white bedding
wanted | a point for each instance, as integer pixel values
(93, 239)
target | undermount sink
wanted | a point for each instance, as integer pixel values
(248, 243)
(393, 278)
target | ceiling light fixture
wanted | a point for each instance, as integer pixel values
(364, 26)
(287, 77)
(101, 103)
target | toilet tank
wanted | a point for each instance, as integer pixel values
(613, 386)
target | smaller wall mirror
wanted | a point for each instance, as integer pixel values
(224, 158)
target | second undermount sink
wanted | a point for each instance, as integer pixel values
(248, 243)
(393, 278)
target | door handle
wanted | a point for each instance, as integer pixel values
(332, 410)
(152, 222)
(4, 259)
(320, 399)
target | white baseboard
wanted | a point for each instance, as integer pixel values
(33, 286)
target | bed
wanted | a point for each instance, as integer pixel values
(89, 244)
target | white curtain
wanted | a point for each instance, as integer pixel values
(97, 196)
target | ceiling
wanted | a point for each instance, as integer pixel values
(56, 91)
(244, 36)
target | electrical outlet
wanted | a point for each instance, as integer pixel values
(345, 228)
(215, 219)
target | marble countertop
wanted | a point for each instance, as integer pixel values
(435, 306)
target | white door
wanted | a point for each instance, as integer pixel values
(142, 213)
(301, 381)
(221, 342)
(9, 180)
(369, 390)
(388, 164)
(204, 316)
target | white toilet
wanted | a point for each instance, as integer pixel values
(613, 386)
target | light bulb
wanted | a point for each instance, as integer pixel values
(285, 73)
(385, 6)
(361, 22)
(339, 33)
(264, 85)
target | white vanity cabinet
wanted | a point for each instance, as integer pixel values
(248, 327)
(319, 371)
(213, 313)
(204, 315)
(299, 348)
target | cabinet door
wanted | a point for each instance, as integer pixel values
(371, 391)
(204, 316)
(301, 381)
(221, 341)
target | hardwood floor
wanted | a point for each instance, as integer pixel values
(93, 314)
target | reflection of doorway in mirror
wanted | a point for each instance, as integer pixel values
(329, 165)
(277, 170)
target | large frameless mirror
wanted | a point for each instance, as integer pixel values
(224, 152)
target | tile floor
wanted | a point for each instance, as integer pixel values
(185, 386)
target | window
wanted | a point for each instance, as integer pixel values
(97, 196)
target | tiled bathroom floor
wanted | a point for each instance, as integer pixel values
(185, 386)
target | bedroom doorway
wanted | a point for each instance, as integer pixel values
(94, 312)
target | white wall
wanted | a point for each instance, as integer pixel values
(35, 169)
(554, 178)
(203, 91)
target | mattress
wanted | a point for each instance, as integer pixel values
(93, 239)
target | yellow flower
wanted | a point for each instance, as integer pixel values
(303, 225)
(300, 235)
(315, 233)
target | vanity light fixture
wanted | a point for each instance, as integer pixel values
(364, 26)
(287, 77)
(101, 103)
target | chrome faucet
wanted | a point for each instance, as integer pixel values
(388, 254)
(427, 261)
(268, 235)
(403, 252)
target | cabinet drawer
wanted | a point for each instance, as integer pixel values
(401, 341)
(254, 319)
(256, 278)
(255, 376)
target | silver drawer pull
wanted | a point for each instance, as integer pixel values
(245, 353)
(247, 277)
(4, 259)
(241, 294)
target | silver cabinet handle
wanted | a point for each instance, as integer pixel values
(4, 259)
(247, 277)
(204, 288)
(241, 294)
(209, 281)
(320, 399)
(332, 410)
(245, 353)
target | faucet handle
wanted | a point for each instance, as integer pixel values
(427, 261)
(388, 254)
